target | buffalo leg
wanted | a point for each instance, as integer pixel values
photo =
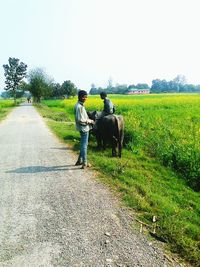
(119, 150)
(99, 144)
(114, 152)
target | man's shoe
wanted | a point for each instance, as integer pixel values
(78, 163)
(84, 166)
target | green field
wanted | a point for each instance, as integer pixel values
(158, 174)
(5, 107)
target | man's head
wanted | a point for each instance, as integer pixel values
(103, 95)
(82, 95)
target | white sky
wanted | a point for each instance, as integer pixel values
(88, 41)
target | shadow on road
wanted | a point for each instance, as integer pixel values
(35, 169)
(61, 148)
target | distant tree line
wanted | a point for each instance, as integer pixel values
(39, 84)
(177, 85)
(118, 89)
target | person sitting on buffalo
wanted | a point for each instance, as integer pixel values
(108, 109)
(108, 105)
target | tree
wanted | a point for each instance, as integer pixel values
(131, 86)
(156, 86)
(180, 81)
(142, 86)
(56, 91)
(161, 86)
(119, 89)
(24, 86)
(40, 84)
(14, 72)
(68, 88)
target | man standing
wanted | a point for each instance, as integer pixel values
(83, 125)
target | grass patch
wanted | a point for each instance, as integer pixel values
(144, 184)
(5, 107)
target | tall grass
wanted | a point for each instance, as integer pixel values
(5, 107)
(168, 129)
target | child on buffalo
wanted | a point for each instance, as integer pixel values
(83, 125)
(108, 109)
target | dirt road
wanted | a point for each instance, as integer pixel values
(55, 214)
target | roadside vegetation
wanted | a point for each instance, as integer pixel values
(5, 107)
(158, 174)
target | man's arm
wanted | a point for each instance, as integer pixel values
(82, 117)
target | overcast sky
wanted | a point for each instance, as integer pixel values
(88, 41)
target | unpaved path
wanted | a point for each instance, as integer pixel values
(55, 214)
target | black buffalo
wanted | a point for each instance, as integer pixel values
(110, 130)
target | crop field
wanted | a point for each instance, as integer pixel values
(5, 106)
(159, 172)
(166, 127)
